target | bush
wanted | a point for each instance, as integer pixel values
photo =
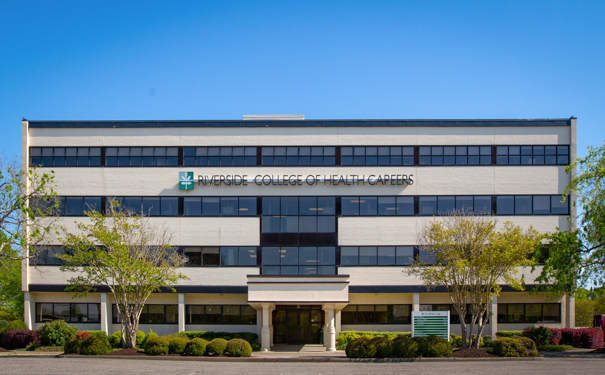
(115, 339)
(529, 345)
(252, 338)
(345, 337)
(156, 345)
(82, 335)
(239, 348)
(384, 347)
(56, 333)
(361, 348)
(98, 333)
(3, 323)
(433, 346)
(458, 341)
(151, 334)
(177, 345)
(15, 325)
(140, 338)
(590, 338)
(539, 335)
(556, 348)
(72, 346)
(216, 347)
(95, 345)
(487, 341)
(509, 334)
(405, 347)
(196, 347)
(556, 336)
(507, 347)
(21, 339)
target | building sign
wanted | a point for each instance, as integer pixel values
(431, 323)
(302, 180)
(185, 180)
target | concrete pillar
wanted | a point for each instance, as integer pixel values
(570, 309)
(265, 340)
(493, 320)
(181, 312)
(331, 329)
(104, 314)
(416, 302)
(28, 317)
(337, 322)
(271, 326)
(326, 326)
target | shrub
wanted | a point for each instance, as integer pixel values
(507, 347)
(510, 334)
(20, 339)
(239, 348)
(156, 345)
(72, 346)
(361, 348)
(196, 347)
(56, 333)
(148, 336)
(404, 347)
(216, 347)
(115, 339)
(433, 346)
(458, 341)
(252, 338)
(345, 337)
(3, 323)
(256, 347)
(556, 348)
(590, 338)
(31, 346)
(98, 333)
(487, 341)
(540, 335)
(82, 335)
(384, 348)
(15, 325)
(140, 338)
(556, 336)
(529, 345)
(95, 345)
(177, 345)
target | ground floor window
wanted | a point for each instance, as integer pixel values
(220, 314)
(153, 314)
(454, 317)
(376, 314)
(529, 313)
(69, 312)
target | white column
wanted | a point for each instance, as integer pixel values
(104, 315)
(27, 310)
(570, 308)
(181, 312)
(331, 329)
(265, 339)
(271, 326)
(416, 302)
(326, 327)
(493, 320)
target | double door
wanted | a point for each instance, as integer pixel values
(297, 324)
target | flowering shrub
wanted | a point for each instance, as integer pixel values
(82, 335)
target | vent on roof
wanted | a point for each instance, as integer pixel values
(274, 117)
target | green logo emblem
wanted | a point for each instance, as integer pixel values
(185, 180)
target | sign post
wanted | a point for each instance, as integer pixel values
(431, 323)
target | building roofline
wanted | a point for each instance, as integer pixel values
(299, 124)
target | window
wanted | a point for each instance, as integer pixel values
(377, 255)
(309, 260)
(299, 156)
(219, 156)
(46, 255)
(142, 157)
(377, 155)
(454, 317)
(65, 156)
(227, 256)
(529, 313)
(534, 155)
(69, 312)
(299, 215)
(455, 155)
(220, 314)
(376, 314)
(152, 314)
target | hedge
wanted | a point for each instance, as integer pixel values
(157, 346)
(21, 339)
(589, 338)
(15, 325)
(216, 347)
(400, 347)
(238, 348)
(509, 334)
(345, 337)
(508, 347)
(196, 347)
(94, 345)
(177, 345)
(252, 338)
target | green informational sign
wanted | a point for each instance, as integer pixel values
(431, 323)
(185, 180)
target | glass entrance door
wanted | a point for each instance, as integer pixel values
(297, 324)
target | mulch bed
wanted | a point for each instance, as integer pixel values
(127, 352)
(4, 350)
(471, 353)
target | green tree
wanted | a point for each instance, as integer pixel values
(128, 255)
(577, 256)
(470, 258)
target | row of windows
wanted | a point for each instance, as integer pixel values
(297, 156)
(69, 312)
(220, 314)
(376, 314)
(292, 261)
(315, 214)
(228, 256)
(380, 255)
(454, 317)
(529, 313)
(152, 314)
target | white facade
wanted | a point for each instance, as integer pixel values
(381, 287)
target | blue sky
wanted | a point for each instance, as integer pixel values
(325, 59)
